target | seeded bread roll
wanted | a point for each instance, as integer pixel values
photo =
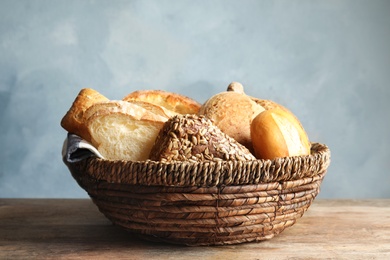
(124, 131)
(172, 101)
(73, 121)
(195, 138)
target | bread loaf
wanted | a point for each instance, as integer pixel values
(120, 105)
(267, 104)
(278, 133)
(123, 130)
(156, 109)
(232, 111)
(73, 121)
(171, 101)
(195, 138)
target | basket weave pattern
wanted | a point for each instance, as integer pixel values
(205, 203)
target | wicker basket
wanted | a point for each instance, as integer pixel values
(208, 203)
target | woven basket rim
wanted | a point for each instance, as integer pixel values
(204, 174)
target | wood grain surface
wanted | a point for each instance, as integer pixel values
(75, 229)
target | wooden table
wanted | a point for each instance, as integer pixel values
(75, 229)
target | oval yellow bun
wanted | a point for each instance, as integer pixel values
(278, 133)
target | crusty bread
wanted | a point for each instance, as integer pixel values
(195, 138)
(268, 104)
(278, 133)
(156, 109)
(73, 121)
(232, 112)
(172, 101)
(124, 131)
(123, 105)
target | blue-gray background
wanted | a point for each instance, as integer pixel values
(328, 61)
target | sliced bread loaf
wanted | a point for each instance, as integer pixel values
(123, 130)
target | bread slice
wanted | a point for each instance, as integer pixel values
(171, 101)
(73, 121)
(123, 105)
(123, 130)
(156, 109)
(195, 138)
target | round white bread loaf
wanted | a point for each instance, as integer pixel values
(232, 111)
(126, 131)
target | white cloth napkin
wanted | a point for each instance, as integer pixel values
(76, 149)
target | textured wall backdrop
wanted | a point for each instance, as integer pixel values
(328, 61)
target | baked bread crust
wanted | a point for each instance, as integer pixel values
(123, 130)
(278, 133)
(73, 121)
(119, 105)
(267, 104)
(232, 112)
(171, 101)
(195, 138)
